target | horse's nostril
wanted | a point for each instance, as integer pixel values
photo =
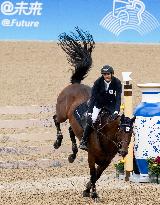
(123, 153)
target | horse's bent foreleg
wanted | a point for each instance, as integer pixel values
(72, 156)
(58, 141)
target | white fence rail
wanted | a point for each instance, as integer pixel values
(25, 110)
(15, 147)
(9, 110)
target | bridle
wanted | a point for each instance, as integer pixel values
(124, 127)
(127, 128)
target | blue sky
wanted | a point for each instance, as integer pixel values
(63, 15)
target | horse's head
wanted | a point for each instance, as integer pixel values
(115, 129)
(124, 134)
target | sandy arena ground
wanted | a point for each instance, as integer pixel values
(33, 73)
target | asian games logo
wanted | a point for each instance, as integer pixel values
(129, 14)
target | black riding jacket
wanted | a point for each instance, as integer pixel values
(111, 99)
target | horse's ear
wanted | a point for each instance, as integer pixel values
(122, 117)
(133, 119)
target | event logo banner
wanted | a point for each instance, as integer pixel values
(12, 11)
(129, 14)
(106, 20)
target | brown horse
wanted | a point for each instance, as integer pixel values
(112, 136)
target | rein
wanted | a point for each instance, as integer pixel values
(99, 131)
(117, 144)
(109, 118)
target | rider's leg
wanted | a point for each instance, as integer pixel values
(88, 129)
(95, 113)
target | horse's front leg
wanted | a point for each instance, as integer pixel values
(72, 156)
(93, 180)
(101, 168)
(99, 172)
(92, 183)
(58, 141)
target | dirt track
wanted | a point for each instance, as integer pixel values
(63, 183)
(34, 73)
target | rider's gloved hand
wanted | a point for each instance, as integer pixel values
(115, 115)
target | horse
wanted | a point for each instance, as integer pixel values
(110, 135)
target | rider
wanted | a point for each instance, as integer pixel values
(106, 92)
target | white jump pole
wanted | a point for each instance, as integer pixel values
(128, 111)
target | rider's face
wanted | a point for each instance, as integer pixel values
(107, 76)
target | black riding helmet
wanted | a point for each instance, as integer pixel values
(107, 69)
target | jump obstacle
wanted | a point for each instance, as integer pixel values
(146, 141)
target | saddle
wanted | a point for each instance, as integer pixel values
(82, 116)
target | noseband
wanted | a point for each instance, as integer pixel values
(126, 127)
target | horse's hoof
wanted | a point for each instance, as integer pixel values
(94, 196)
(71, 158)
(86, 193)
(56, 145)
(96, 200)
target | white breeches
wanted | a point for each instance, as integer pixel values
(95, 113)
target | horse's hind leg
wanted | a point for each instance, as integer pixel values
(58, 141)
(72, 156)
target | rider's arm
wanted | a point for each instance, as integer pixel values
(95, 89)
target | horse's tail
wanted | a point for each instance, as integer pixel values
(78, 47)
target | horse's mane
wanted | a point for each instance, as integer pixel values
(105, 117)
(78, 46)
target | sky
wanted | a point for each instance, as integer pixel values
(107, 20)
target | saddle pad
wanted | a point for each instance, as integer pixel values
(80, 114)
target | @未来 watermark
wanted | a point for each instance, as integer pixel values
(129, 14)
(20, 9)
(19, 23)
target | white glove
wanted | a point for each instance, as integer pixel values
(116, 112)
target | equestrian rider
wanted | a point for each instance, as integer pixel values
(106, 92)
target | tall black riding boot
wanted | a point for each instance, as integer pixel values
(84, 140)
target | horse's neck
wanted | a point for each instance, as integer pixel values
(108, 144)
(109, 133)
